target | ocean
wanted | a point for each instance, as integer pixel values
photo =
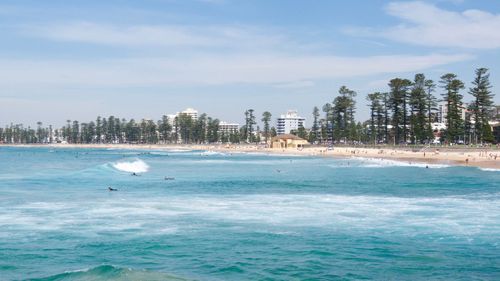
(198, 215)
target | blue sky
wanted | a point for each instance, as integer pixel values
(64, 60)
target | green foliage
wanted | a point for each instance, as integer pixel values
(266, 118)
(453, 99)
(398, 99)
(213, 130)
(376, 116)
(419, 104)
(247, 131)
(344, 107)
(314, 136)
(483, 100)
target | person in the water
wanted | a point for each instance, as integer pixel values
(112, 189)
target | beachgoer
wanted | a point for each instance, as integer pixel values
(466, 161)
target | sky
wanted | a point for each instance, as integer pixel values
(74, 60)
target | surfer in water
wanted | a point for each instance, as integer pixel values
(112, 189)
(134, 174)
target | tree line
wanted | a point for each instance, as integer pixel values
(181, 129)
(405, 114)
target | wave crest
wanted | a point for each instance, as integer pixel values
(109, 272)
(489, 169)
(136, 166)
(382, 162)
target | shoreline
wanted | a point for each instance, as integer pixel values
(483, 158)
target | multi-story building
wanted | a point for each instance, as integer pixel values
(228, 128)
(443, 112)
(190, 112)
(289, 122)
(171, 119)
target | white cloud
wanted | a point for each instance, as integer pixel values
(211, 70)
(156, 35)
(427, 25)
(200, 55)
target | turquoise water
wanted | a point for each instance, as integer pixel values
(242, 217)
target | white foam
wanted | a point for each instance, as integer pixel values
(179, 150)
(380, 163)
(457, 215)
(167, 151)
(136, 166)
(489, 169)
(209, 153)
(159, 153)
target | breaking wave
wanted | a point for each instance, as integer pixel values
(380, 163)
(136, 166)
(489, 169)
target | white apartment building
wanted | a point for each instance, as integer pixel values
(190, 112)
(443, 112)
(288, 122)
(193, 113)
(171, 118)
(228, 128)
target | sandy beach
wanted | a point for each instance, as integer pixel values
(485, 158)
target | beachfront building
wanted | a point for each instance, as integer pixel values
(171, 119)
(193, 113)
(442, 112)
(288, 141)
(228, 128)
(495, 128)
(289, 122)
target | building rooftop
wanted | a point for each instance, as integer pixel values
(286, 137)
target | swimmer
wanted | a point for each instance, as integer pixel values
(112, 189)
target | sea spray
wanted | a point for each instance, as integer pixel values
(136, 166)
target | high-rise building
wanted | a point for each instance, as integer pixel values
(443, 112)
(289, 122)
(190, 112)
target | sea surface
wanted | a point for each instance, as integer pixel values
(198, 215)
